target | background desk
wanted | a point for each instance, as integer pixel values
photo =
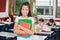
(48, 34)
(13, 36)
(57, 32)
(36, 37)
(7, 36)
(2, 27)
(8, 26)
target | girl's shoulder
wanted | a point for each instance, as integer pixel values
(32, 18)
(18, 17)
(22, 17)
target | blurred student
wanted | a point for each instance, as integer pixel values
(51, 23)
(36, 20)
(25, 13)
(42, 26)
(10, 26)
(10, 19)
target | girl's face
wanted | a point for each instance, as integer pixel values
(41, 23)
(25, 10)
(50, 23)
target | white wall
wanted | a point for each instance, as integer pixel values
(45, 2)
(5, 14)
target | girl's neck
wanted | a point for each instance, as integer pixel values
(25, 16)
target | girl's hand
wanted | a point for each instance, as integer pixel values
(53, 25)
(20, 27)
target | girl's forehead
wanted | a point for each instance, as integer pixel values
(24, 6)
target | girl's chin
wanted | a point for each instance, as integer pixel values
(24, 15)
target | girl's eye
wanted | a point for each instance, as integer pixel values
(22, 9)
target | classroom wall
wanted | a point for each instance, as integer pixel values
(3, 13)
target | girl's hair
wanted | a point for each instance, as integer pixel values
(51, 20)
(12, 18)
(41, 20)
(26, 4)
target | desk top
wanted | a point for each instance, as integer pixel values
(56, 28)
(45, 32)
(2, 24)
(7, 34)
(36, 37)
(8, 22)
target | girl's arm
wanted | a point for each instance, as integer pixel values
(28, 31)
(53, 25)
(17, 29)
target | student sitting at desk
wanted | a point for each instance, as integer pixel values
(36, 20)
(42, 26)
(51, 23)
(10, 19)
(10, 24)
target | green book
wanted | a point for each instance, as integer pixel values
(25, 21)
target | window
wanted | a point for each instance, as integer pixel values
(44, 7)
(59, 12)
(40, 11)
(59, 7)
(46, 11)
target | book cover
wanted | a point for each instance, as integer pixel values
(27, 23)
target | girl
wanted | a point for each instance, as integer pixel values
(51, 23)
(36, 20)
(25, 13)
(42, 26)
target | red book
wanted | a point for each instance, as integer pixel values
(25, 25)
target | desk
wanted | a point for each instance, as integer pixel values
(44, 33)
(8, 26)
(36, 37)
(1, 27)
(8, 22)
(56, 33)
(2, 24)
(49, 34)
(7, 35)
